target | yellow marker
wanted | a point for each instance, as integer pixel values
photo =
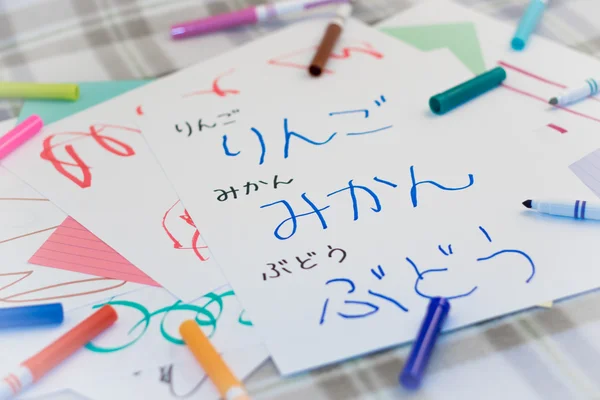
(210, 360)
(49, 91)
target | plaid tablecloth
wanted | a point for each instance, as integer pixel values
(539, 354)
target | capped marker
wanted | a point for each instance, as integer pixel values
(578, 209)
(34, 368)
(28, 316)
(21, 133)
(589, 88)
(247, 16)
(44, 91)
(417, 362)
(228, 385)
(528, 23)
(443, 102)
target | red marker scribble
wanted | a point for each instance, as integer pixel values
(216, 87)
(139, 111)
(195, 237)
(346, 53)
(545, 81)
(557, 128)
(112, 145)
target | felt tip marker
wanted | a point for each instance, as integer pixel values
(246, 16)
(578, 209)
(588, 88)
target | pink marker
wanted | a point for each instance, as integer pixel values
(20, 134)
(247, 16)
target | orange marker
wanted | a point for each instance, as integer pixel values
(210, 360)
(31, 370)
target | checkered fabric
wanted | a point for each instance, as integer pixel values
(539, 354)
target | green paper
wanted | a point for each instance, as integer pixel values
(90, 94)
(461, 39)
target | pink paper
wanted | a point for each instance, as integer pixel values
(74, 248)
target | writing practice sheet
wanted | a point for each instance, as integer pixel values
(146, 334)
(338, 207)
(97, 168)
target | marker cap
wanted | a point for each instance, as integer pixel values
(45, 314)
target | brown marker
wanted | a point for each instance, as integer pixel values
(332, 33)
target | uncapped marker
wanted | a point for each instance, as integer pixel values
(589, 88)
(577, 209)
(330, 38)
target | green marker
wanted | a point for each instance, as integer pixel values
(443, 102)
(50, 91)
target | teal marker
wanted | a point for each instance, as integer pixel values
(528, 22)
(443, 102)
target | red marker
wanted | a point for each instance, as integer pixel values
(32, 369)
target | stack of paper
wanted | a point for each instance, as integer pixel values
(335, 207)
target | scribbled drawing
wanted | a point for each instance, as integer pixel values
(167, 377)
(216, 88)
(300, 59)
(9, 293)
(208, 311)
(546, 82)
(557, 128)
(169, 230)
(28, 234)
(74, 167)
(525, 263)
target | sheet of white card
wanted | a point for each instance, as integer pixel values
(27, 221)
(146, 334)
(477, 245)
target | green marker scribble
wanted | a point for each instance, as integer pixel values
(204, 317)
(146, 319)
(243, 321)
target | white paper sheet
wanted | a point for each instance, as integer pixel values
(146, 334)
(436, 207)
(27, 219)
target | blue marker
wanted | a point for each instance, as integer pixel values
(27, 316)
(528, 22)
(413, 371)
(578, 209)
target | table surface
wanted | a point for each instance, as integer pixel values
(539, 354)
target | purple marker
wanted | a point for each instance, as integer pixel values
(247, 16)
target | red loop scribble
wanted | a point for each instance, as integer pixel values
(344, 54)
(216, 87)
(112, 145)
(195, 237)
